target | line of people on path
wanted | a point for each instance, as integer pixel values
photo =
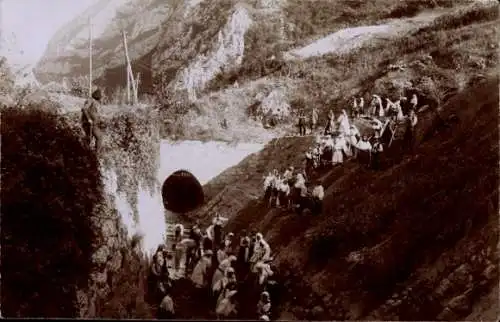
(289, 190)
(342, 139)
(228, 275)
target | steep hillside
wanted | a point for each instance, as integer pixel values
(209, 63)
(424, 230)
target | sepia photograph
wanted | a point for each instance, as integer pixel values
(265, 160)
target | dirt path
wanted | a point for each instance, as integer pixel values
(349, 39)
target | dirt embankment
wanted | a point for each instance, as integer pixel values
(424, 228)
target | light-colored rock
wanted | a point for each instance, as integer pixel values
(99, 278)
(100, 257)
(490, 272)
(460, 303)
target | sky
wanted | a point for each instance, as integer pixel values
(34, 22)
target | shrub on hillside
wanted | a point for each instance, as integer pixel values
(51, 188)
(131, 144)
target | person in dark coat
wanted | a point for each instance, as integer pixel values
(377, 150)
(90, 119)
(243, 258)
(409, 136)
(302, 123)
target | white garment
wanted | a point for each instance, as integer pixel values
(414, 100)
(329, 143)
(267, 181)
(300, 178)
(364, 145)
(318, 192)
(338, 157)
(285, 188)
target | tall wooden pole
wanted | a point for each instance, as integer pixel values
(90, 56)
(130, 75)
(137, 81)
(126, 64)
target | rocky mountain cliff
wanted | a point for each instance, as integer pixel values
(162, 36)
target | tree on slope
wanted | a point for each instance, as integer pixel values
(51, 188)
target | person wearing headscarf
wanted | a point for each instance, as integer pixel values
(223, 285)
(226, 305)
(200, 276)
(330, 125)
(318, 194)
(201, 279)
(264, 271)
(159, 277)
(261, 252)
(214, 231)
(314, 119)
(264, 305)
(222, 271)
(376, 106)
(414, 102)
(166, 309)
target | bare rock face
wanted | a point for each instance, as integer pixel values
(183, 42)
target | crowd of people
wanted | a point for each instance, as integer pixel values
(289, 190)
(341, 139)
(229, 273)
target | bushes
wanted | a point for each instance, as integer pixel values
(51, 187)
(128, 285)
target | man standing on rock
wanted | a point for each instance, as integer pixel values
(90, 119)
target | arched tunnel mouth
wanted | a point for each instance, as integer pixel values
(182, 192)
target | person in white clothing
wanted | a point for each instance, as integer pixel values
(261, 251)
(338, 157)
(376, 106)
(377, 126)
(414, 102)
(318, 194)
(364, 148)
